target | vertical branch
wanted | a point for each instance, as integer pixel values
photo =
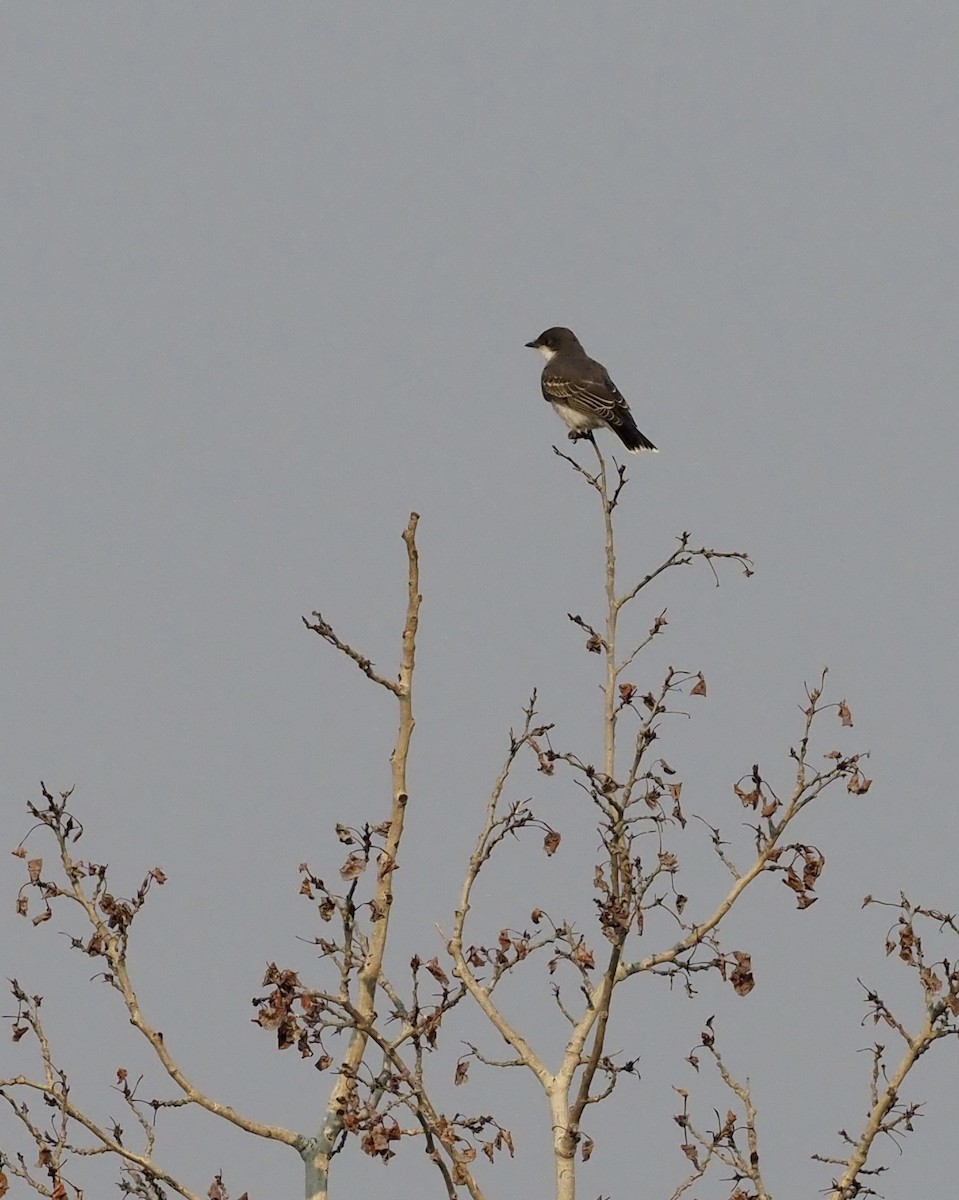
(618, 847)
(612, 615)
(319, 1151)
(596, 1017)
(848, 1184)
(567, 1113)
(571, 1089)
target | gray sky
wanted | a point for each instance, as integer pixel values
(268, 273)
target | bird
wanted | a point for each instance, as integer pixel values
(581, 391)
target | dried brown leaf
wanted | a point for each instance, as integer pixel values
(813, 869)
(217, 1190)
(792, 880)
(930, 980)
(749, 799)
(355, 865)
(584, 956)
(741, 977)
(437, 972)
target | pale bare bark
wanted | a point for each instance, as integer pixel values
(848, 1185)
(365, 1097)
(108, 941)
(319, 1150)
(570, 1088)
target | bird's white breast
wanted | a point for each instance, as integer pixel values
(577, 421)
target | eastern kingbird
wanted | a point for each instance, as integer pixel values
(581, 391)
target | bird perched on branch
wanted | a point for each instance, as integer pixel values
(581, 391)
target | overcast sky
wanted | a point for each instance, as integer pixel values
(268, 274)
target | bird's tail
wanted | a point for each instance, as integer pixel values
(632, 439)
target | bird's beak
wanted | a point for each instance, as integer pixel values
(532, 345)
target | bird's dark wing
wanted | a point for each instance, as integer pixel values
(620, 414)
(594, 395)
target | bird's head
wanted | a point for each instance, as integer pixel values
(551, 341)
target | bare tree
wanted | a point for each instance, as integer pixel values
(381, 1040)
